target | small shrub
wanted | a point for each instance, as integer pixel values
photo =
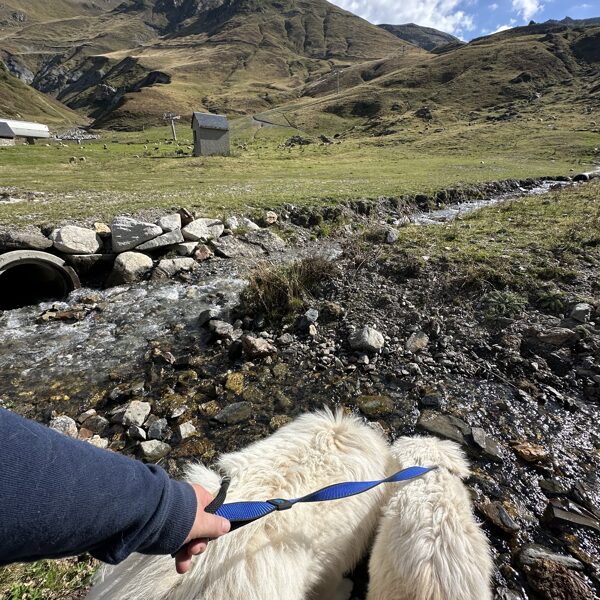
(550, 300)
(278, 292)
(502, 305)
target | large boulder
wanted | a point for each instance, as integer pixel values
(130, 267)
(76, 240)
(29, 239)
(162, 241)
(203, 230)
(170, 222)
(169, 267)
(233, 247)
(267, 240)
(128, 233)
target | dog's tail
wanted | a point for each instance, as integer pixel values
(147, 577)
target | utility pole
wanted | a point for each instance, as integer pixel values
(172, 117)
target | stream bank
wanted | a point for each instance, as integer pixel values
(518, 389)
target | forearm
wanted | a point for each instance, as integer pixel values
(61, 497)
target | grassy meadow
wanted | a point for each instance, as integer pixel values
(131, 172)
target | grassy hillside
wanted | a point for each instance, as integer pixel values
(19, 101)
(125, 72)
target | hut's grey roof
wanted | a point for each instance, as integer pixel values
(210, 121)
(12, 129)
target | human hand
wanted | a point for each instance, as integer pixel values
(205, 528)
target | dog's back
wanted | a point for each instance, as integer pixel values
(286, 555)
(429, 545)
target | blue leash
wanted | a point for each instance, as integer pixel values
(241, 513)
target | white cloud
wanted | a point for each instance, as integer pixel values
(501, 28)
(526, 8)
(493, 6)
(441, 14)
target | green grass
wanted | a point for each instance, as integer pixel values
(46, 580)
(533, 249)
(128, 178)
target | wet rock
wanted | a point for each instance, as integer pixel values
(203, 253)
(86, 264)
(185, 430)
(235, 383)
(267, 240)
(530, 452)
(136, 433)
(581, 312)
(159, 430)
(84, 416)
(162, 241)
(221, 329)
(375, 406)
(417, 342)
(367, 339)
(170, 222)
(203, 230)
(235, 413)
(29, 239)
(257, 347)
(130, 267)
(134, 413)
(154, 449)
(554, 487)
(76, 240)
(558, 336)
(233, 247)
(433, 398)
(446, 426)
(96, 424)
(565, 512)
(128, 233)
(530, 554)
(170, 267)
(278, 421)
(65, 425)
(208, 314)
(488, 446)
(186, 248)
(552, 581)
(496, 513)
(69, 315)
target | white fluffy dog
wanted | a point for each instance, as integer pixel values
(292, 555)
(429, 545)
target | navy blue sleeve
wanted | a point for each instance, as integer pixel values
(62, 497)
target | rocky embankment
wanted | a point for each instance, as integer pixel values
(400, 344)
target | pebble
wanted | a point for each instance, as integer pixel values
(99, 442)
(367, 339)
(134, 413)
(65, 425)
(489, 447)
(136, 433)
(186, 430)
(257, 347)
(417, 342)
(154, 449)
(235, 413)
(159, 430)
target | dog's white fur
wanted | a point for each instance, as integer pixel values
(292, 555)
(429, 545)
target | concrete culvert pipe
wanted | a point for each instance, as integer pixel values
(29, 277)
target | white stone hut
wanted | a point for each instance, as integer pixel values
(11, 130)
(211, 134)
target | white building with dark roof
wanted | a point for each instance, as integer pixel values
(211, 134)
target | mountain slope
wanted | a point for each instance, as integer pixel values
(128, 65)
(500, 77)
(423, 37)
(19, 101)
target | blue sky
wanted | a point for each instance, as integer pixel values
(468, 19)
